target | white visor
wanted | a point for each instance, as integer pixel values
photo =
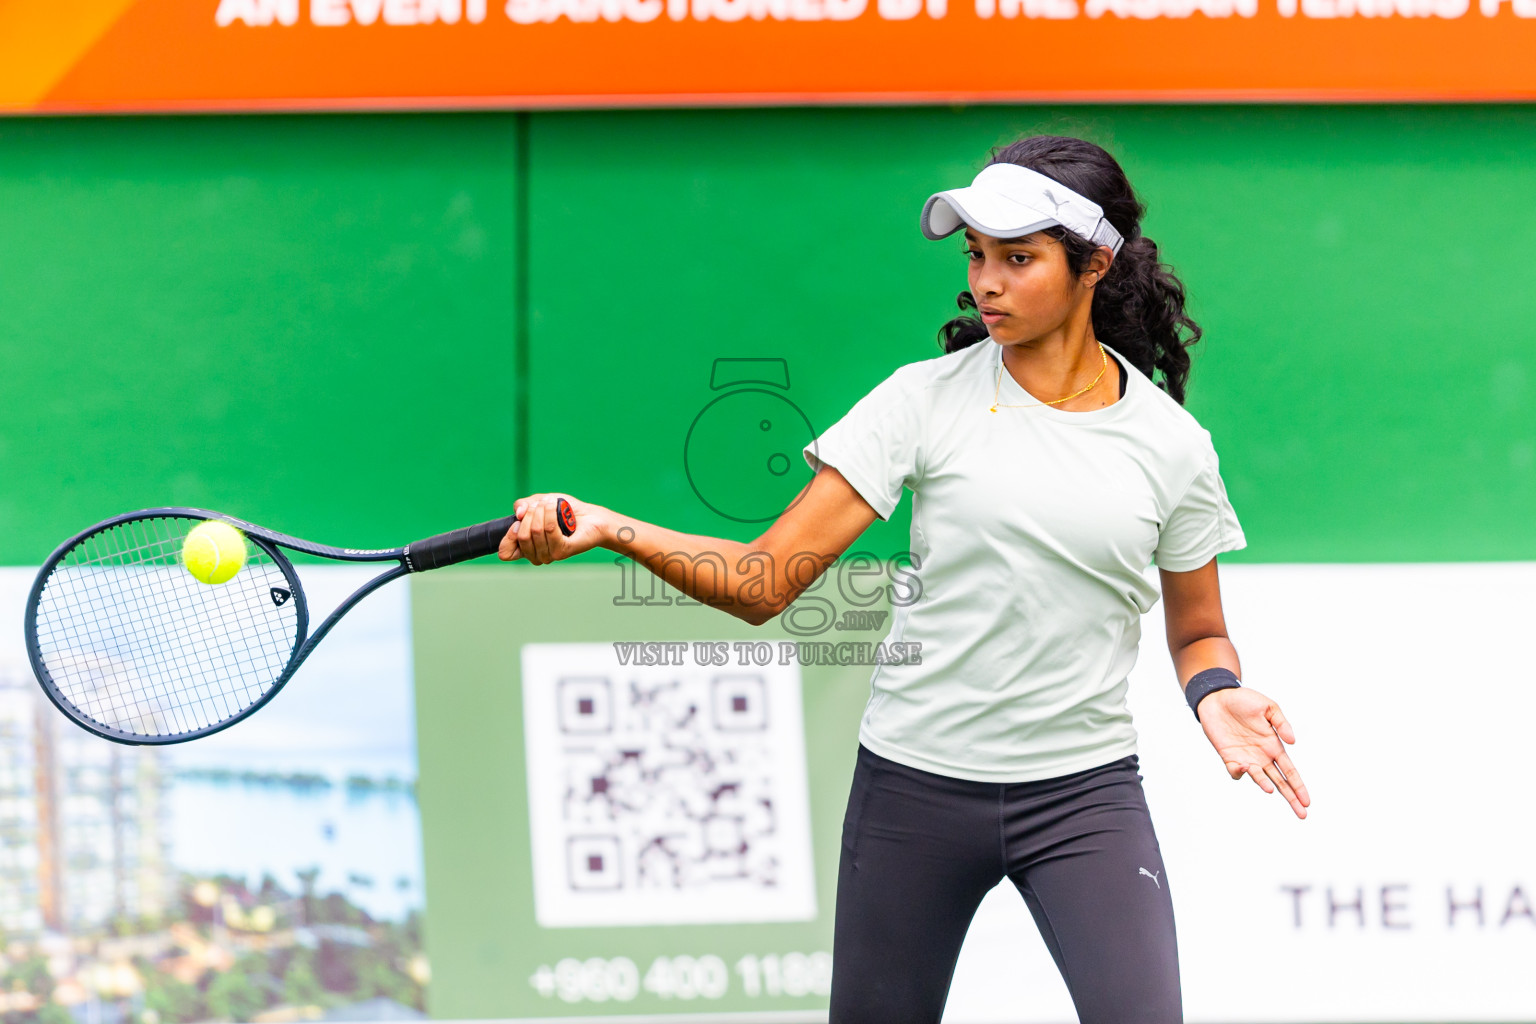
(1007, 201)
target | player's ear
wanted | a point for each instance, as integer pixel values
(1098, 265)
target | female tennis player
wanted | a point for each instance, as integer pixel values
(1051, 462)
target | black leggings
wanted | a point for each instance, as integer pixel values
(921, 850)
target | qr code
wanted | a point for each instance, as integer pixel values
(664, 794)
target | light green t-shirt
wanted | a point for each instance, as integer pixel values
(1032, 530)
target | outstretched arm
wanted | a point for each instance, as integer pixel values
(753, 581)
(1245, 727)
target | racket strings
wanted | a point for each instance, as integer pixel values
(132, 641)
(164, 650)
(191, 624)
(185, 631)
(113, 688)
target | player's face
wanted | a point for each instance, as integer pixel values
(1023, 287)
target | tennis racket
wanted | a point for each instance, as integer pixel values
(133, 648)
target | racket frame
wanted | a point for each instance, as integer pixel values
(270, 542)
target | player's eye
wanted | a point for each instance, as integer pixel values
(972, 254)
(1020, 257)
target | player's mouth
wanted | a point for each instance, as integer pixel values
(989, 315)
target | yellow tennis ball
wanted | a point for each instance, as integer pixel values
(213, 552)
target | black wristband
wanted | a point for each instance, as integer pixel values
(1204, 683)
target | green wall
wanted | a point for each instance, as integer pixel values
(1369, 363)
(319, 322)
(303, 322)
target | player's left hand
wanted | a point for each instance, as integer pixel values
(537, 536)
(1246, 728)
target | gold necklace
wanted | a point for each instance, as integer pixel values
(1104, 357)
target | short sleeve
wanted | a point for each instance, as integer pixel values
(1202, 524)
(878, 444)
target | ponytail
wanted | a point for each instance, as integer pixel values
(1138, 305)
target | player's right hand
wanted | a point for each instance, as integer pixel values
(537, 536)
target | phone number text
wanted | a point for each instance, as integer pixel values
(619, 979)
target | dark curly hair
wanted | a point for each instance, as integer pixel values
(1138, 306)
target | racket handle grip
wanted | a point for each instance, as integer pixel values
(474, 541)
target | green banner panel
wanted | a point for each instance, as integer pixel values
(661, 941)
(1368, 370)
(304, 322)
(274, 315)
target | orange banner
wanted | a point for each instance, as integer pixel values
(187, 55)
